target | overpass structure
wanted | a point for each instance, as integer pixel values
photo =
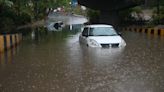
(109, 9)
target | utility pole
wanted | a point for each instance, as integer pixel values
(146, 3)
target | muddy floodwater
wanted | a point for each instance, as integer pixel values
(56, 62)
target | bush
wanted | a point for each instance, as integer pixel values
(7, 25)
(10, 20)
(158, 19)
(23, 19)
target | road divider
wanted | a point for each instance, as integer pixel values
(8, 41)
(149, 31)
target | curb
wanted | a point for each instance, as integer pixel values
(149, 31)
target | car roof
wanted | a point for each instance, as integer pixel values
(98, 25)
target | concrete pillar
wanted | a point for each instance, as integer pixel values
(109, 17)
(8, 43)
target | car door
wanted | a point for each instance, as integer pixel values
(84, 35)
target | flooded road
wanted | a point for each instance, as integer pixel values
(58, 63)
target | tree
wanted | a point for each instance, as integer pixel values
(21, 12)
(6, 2)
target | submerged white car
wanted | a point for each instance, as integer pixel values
(101, 36)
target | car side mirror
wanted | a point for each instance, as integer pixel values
(86, 35)
(119, 33)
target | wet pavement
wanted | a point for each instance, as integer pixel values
(58, 63)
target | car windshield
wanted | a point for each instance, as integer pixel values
(102, 31)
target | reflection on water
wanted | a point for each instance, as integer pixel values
(57, 62)
(8, 56)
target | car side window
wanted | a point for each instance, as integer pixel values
(85, 32)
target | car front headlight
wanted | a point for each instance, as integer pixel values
(123, 43)
(93, 43)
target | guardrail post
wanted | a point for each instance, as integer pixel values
(11, 41)
(162, 32)
(1, 43)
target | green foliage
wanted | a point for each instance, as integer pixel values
(93, 15)
(132, 16)
(126, 15)
(6, 25)
(6, 3)
(14, 13)
(153, 3)
(7, 17)
(158, 18)
(137, 9)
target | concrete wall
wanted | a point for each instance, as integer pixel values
(8, 41)
(110, 17)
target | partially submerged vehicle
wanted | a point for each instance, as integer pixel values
(55, 26)
(101, 35)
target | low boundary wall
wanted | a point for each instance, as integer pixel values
(153, 31)
(8, 41)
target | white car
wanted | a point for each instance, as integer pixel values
(55, 26)
(101, 35)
